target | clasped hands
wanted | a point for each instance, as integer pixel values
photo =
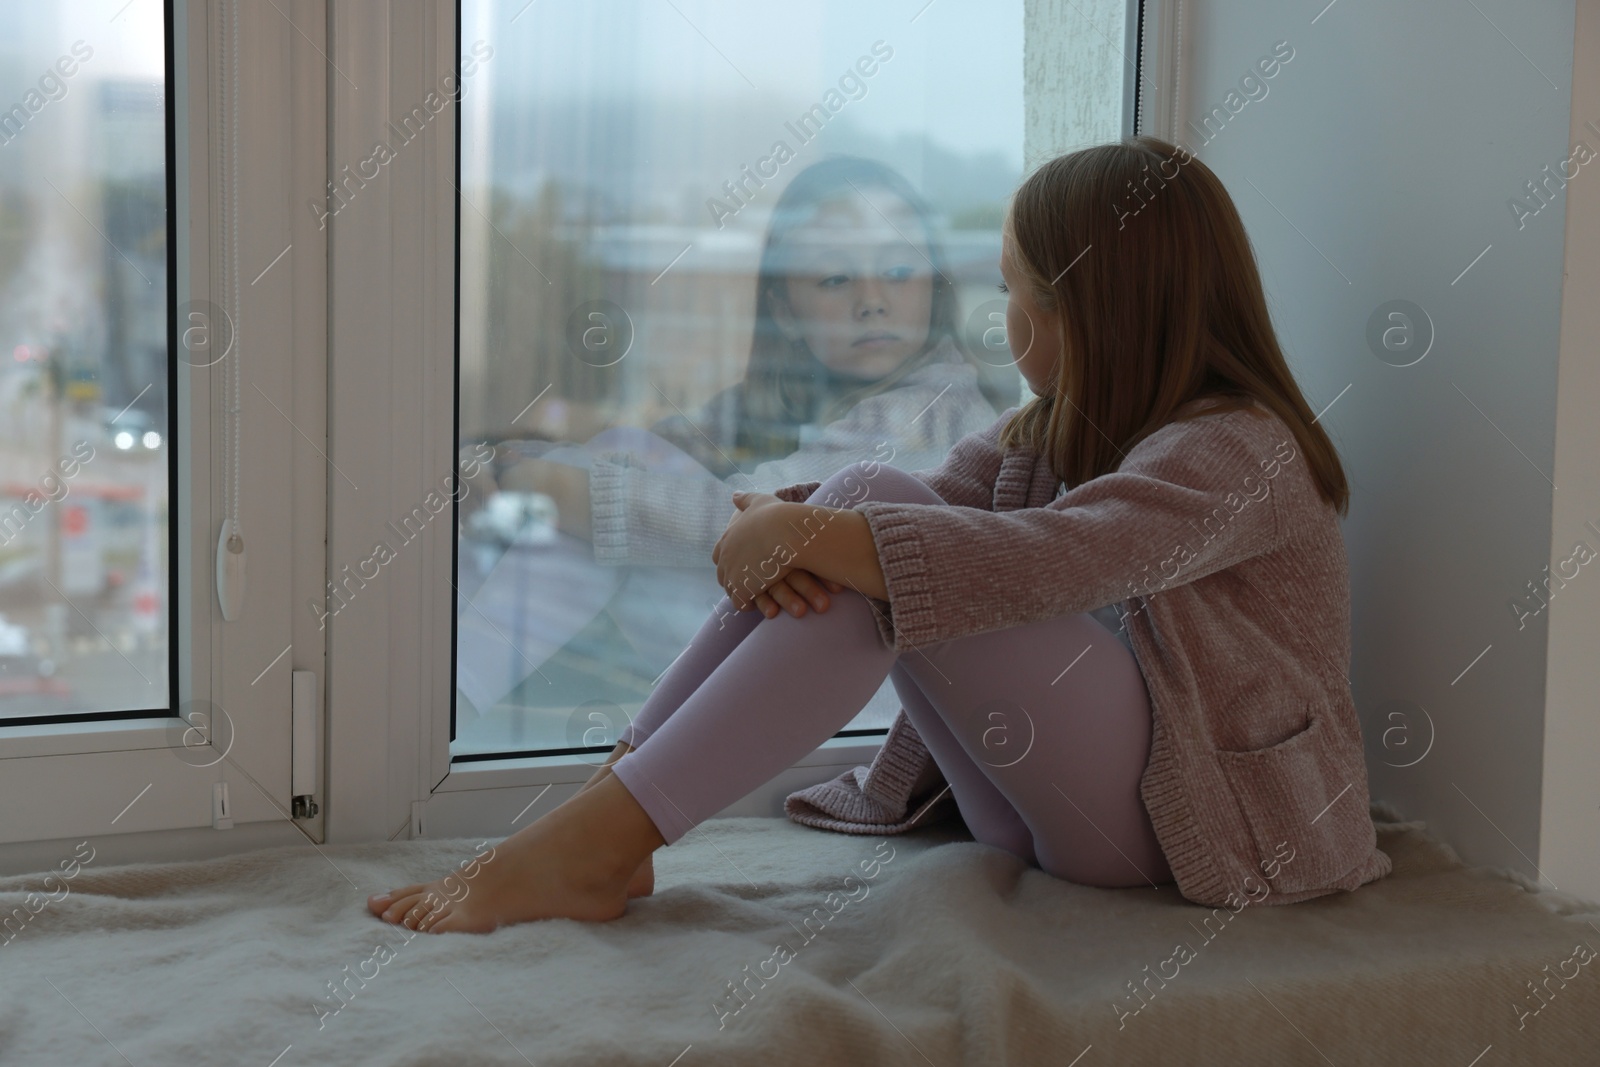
(760, 565)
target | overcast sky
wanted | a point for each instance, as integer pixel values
(38, 32)
(956, 73)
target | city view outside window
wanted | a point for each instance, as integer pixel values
(704, 246)
(83, 359)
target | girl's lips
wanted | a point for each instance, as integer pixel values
(877, 339)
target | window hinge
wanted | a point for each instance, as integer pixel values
(307, 737)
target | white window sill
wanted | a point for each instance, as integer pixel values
(558, 770)
(96, 735)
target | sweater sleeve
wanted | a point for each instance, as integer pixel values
(645, 512)
(1192, 499)
(645, 516)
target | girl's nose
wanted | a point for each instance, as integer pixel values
(870, 301)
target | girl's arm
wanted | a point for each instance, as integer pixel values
(650, 517)
(641, 515)
(774, 552)
(1194, 498)
(843, 551)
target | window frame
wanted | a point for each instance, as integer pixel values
(130, 759)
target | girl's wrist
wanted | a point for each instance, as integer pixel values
(838, 545)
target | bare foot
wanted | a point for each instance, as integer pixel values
(643, 882)
(581, 861)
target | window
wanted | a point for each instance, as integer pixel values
(86, 371)
(703, 246)
(163, 384)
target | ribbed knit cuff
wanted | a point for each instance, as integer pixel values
(608, 508)
(1184, 842)
(907, 576)
(897, 765)
(877, 799)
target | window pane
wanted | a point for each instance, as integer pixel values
(83, 359)
(704, 246)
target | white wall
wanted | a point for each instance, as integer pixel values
(1377, 167)
(1570, 819)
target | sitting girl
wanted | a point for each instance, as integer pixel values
(1167, 462)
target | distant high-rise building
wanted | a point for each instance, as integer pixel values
(131, 147)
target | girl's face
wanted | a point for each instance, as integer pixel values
(859, 284)
(1033, 334)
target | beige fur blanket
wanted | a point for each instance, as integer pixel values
(770, 943)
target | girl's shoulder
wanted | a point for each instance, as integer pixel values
(1216, 406)
(1212, 414)
(1207, 432)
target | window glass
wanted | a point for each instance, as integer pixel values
(705, 246)
(83, 359)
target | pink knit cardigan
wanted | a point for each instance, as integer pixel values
(1230, 572)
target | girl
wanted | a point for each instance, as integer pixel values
(1220, 749)
(855, 354)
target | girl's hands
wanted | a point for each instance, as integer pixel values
(794, 591)
(756, 564)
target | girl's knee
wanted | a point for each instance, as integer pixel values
(871, 480)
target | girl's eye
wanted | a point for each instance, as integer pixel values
(900, 273)
(833, 281)
(1002, 287)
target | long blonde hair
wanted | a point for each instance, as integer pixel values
(1139, 247)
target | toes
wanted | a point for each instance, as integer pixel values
(427, 911)
(441, 921)
(401, 907)
(379, 903)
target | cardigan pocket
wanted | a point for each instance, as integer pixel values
(1294, 797)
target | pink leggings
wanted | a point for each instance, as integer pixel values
(1042, 731)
